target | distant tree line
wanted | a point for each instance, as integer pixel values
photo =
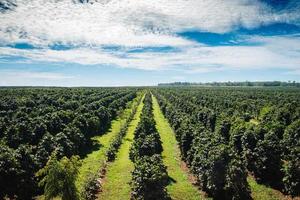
(243, 84)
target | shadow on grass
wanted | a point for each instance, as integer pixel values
(93, 145)
(171, 180)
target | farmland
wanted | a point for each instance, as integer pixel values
(150, 143)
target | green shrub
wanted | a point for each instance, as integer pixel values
(91, 187)
(149, 178)
(58, 177)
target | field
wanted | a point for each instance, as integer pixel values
(150, 143)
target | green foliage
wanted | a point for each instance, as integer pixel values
(215, 128)
(145, 146)
(291, 178)
(291, 138)
(36, 121)
(17, 172)
(58, 177)
(114, 146)
(220, 172)
(27, 184)
(149, 178)
(91, 187)
(185, 136)
(220, 142)
(267, 162)
(9, 170)
(236, 186)
(291, 169)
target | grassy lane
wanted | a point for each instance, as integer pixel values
(96, 159)
(181, 188)
(263, 192)
(116, 183)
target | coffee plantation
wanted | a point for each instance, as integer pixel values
(229, 141)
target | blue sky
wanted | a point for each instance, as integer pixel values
(122, 42)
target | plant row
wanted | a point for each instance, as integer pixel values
(36, 121)
(221, 145)
(92, 185)
(149, 177)
(117, 141)
(218, 169)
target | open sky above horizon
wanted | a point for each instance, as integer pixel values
(142, 42)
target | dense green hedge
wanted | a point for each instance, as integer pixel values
(291, 143)
(149, 177)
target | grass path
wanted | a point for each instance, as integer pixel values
(118, 175)
(263, 192)
(96, 159)
(181, 188)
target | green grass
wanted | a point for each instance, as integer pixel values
(116, 184)
(96, 159)
(262, 192)
(181, 188)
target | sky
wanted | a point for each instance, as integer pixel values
(143, 42)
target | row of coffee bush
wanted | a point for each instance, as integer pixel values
(149, 177)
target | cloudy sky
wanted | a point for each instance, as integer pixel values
(144, 42)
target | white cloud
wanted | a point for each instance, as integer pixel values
(114, 23)
(274, 52)
(129, 24)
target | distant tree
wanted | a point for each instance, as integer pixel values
(58, 177)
